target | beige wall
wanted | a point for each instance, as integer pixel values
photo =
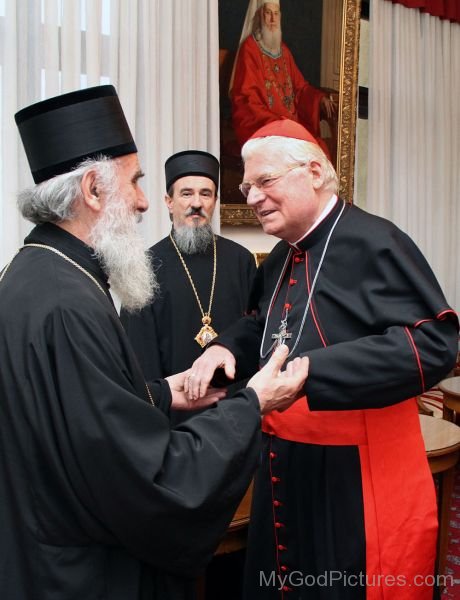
(252, 238)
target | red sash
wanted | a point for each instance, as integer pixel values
(399, 497)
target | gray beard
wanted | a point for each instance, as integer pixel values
(270, 40)
(120, 249)
(193, 240)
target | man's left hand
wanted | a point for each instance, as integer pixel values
(181, 402)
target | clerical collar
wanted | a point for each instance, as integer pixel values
(326, 210)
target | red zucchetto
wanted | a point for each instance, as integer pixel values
(285, 128)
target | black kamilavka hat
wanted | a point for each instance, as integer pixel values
(60, 132)
(191, 162)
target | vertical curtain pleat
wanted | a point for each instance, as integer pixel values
(414, 130)
(70, 52)
(50, 41)
(93, 42)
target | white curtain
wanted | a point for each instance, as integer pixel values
(414, 133)
(161, 55)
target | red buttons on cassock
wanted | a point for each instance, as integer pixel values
(272, 455)
(298, 259)
(281, 547)
(279, 525)
(292, 281)
(277, 503)
(287, 306)
(284, 568)
(287, 588)
(275, 479)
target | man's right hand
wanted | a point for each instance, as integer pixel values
(277, 389)
(202, 370)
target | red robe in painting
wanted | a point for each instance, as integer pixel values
(265, 89)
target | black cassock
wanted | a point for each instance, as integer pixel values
(378, 331)
(163, 333)
(99, 498)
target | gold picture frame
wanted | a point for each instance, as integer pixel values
(241, 214)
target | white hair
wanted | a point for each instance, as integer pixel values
(113, 237)
(295, 151)
(54, 200)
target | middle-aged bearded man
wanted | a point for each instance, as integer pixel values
(344, 502)
(204, 279)
(100, 498)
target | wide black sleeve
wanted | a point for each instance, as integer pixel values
(142, 331)
(167, 496)
(380, 370)
(406, 334)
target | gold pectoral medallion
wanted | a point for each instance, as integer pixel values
(206, 333)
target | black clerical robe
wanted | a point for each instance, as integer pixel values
(163, 333)
(344, 496)
(99, 498)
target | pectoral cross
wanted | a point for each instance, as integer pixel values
(282, 334)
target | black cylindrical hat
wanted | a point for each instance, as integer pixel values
(60, 132)
(191, 162)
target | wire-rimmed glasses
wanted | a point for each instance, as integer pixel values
(263, 182)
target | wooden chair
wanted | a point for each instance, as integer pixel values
(450, 389)
(442, 446)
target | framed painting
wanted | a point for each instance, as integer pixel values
(323, 39)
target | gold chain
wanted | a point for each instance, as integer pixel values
(80, 268)
(211, 297)
(206, 333)
(7, 267)
(68, 259)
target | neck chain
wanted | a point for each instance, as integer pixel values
(282, 334)
(68, 259)
(77, 266)
(206, 333)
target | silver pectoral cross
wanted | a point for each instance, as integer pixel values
(282, 334)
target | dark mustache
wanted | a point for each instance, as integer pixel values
(196, 211)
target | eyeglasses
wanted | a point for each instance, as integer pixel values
(264, 182)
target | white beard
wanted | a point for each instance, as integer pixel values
(120, 248)
(270, 40)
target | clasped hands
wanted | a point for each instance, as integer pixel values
(275, 389)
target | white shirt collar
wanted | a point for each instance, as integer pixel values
(326, 210)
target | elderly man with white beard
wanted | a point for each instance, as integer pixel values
(100, 497)
(267, 84)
